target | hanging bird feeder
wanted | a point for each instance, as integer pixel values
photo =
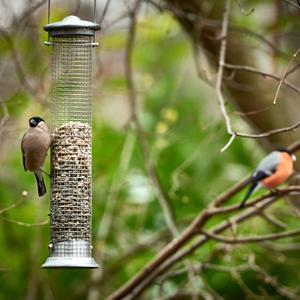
(72, 41)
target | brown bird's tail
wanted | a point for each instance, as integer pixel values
(40, 183)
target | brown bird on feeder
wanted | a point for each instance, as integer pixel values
(35, 144)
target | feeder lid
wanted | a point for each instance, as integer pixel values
(72, 25)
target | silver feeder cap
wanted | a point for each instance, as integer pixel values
(72, 25)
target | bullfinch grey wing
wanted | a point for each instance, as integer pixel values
(269, 164)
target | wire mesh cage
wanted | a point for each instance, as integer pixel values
(71, 152)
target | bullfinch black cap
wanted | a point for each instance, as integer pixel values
(34, 121)
(293, 156)
(285, 150)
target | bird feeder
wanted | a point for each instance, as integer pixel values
(72, 41)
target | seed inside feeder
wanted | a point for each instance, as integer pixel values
(71, 182)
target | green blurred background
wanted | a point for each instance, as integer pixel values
(184, 131)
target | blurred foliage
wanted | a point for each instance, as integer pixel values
(185, 134)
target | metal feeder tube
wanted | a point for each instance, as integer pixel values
(71, 152)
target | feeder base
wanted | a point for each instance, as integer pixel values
(70, 262)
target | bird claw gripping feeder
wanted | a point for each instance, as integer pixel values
(71, 40)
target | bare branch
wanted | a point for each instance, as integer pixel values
(292, 4)
(291, 190)
(282, 247)
(23, 224)
(281, 290)
(268, 133)
(164, 260)
(104, 11)
(135, 287)
(230, 141)
(252, 112)
(222, 55)
(32, 9)
(252, 239)
(284, 75)
(5, 117)
(233, 134)
(200, 71)
(21, 74)
(243, 10)
(272, 220)
(15, 204)
(220, 76)
(262, 73)
(294, 147)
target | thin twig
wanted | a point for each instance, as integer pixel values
(282, 247)
(25, 224)
(233, 134)
(31, 10)
(230, 141)
(292, 4)
(294, 147)
(243, 10)
(218, 87)
(291, 190)
(251, 112)
(5, 117)
(104, 11)
(284, 75)
(199, 20)
(200, 71)
(252, 239)
(284, 291)
(281, 290)
(268, 133)
(21, 74)
(221, 65)
(262, 73)
(272, 220)
(17, 203)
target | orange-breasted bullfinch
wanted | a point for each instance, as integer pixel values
(35, 144)
(273, 170)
